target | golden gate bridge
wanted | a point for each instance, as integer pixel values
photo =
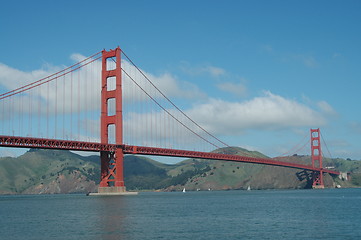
(61, 111)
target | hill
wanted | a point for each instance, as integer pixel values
(222, 175)
(55, 171)
(48, 171)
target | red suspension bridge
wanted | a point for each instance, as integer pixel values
(61, 111)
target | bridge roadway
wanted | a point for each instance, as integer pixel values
(24, 142)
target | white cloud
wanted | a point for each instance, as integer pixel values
(12, 78)
(355, 127)
(213, 71)
(310, 61)
(220, 118)
(269, 111)
(172, 87)
(323, 106)
(237, 89)
(159, 129)
(68, 93)
(81, 89)
(76, 57)
(73, 100)
(307, 60)
(326, 108)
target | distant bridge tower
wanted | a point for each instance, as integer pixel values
(316, 155)
(111, 121)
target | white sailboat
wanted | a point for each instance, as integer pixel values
(184, 190)
(249, 188)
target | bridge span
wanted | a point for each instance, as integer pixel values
(63, 106)
(23, 142)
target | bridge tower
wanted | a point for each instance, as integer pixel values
(111, 121)
(316, 155)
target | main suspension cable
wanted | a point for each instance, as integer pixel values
(52, 77)
(183, 113)
(176, 119)
(324, 142)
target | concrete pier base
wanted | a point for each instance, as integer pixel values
(112, 191)
(318, 186)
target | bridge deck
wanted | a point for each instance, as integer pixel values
(23, 142)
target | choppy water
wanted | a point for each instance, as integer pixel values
(288, 214)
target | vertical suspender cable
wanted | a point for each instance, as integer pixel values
(17, 112)
(324, 143)
(2, 118)
(38, 119)
(47, 111)
(30, 113)
(56, 108)
(78, 110)
(71, 106)
(63, 127)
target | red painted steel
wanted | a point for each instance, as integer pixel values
(217, 156)
(26, 142)
(316, 156)
(10, 141)
(111, 162)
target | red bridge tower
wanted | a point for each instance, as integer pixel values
(316, 155)
(112, 179)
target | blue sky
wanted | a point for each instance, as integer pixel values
(263, 72)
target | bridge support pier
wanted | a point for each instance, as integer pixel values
(112, 179)
(317, 180)
(112, 182)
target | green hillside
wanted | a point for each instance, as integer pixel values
(55, 171)
(48, 171)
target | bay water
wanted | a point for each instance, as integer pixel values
(272, 214)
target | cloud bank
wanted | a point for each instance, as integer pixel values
(219, 117)
(267, 112)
